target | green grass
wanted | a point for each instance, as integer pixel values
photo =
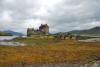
(37, 41)
(50, 51)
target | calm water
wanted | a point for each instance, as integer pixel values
(2, 38)
(5, 43)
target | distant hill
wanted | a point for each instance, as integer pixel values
(95, 30)
(13, 33)
(5, 34)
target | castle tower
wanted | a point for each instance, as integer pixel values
(30, 31)
(44, 28)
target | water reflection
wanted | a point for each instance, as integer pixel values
(11, 43)
(3, 41)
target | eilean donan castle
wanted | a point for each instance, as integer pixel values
(43, 30)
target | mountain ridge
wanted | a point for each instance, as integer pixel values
(13, 33)
(95, 30)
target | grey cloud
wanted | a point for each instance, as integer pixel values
(65, 16)
(76, 15)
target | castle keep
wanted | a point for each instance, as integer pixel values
(43, 30)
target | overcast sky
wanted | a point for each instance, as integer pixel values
(60, 15)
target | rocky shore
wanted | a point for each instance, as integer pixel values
(22, 64)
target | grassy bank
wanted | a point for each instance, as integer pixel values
(50, 51)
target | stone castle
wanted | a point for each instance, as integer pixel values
(43, 30)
